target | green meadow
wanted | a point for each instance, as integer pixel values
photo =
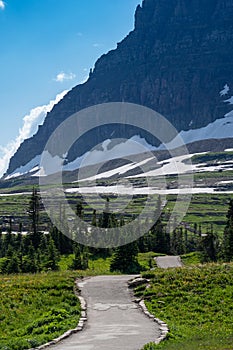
(36, 308)
(197, 304)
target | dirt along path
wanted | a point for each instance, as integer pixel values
(114, 322)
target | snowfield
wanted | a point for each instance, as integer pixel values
(121, 190)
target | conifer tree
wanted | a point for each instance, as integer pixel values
(29, 263)
(13, 265)
(105, 221)
(51, 255)
(77, 261)
(227, 246)
(79, 209)
(125, 259)
(9, 228)
(8, 240)
(1, 245)
(94, 218)
(209, 246)
(33, 213)
(174, 242)
(85, 261)
(106, 218)
(186, 240)
(62, 242)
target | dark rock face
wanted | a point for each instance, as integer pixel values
(175, 61)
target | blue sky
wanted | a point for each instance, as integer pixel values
(48, 46)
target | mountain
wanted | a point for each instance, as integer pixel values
(177, 61)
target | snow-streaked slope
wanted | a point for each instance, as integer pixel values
(32, 166)
(229, 100)
(220, 129)
(118, 171)
(172, 166)
(135, 145)
(182, 165)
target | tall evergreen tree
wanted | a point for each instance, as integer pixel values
(33, 213)
(77, 261)
(13, 265)
(9, 228)
(51, 255)
(29, 263)
(1, 245)
(209, 246)
(162, 241)
(79, 209)
(159, 238)
(106, 217)
(62, 242)
(125, 259)
(85, 261)
(186, 247)
(227, 246)
(94, 218)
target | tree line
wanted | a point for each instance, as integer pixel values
(37, 251)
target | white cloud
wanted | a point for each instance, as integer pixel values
(2, 5)
(97, 45)
(64, 76)
(30, 125)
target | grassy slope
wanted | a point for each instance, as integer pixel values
(197, 304)
(195, 301)
(98, 266)
(205, 209)
(36, 308)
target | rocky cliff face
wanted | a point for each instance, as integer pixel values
(175, 61)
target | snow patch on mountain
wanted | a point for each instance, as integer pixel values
(225, 90)
(230, 100)
(118, 171)
(219, 129)
(123, 190)
(30, 167)
(135, 145)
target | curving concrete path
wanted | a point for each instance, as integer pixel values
(115, 322)
(165, 262)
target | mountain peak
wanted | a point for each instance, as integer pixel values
(175, 61)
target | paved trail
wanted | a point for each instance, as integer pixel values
(165, 262)
(114, 321)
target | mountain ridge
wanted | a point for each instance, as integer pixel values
(175, 61)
